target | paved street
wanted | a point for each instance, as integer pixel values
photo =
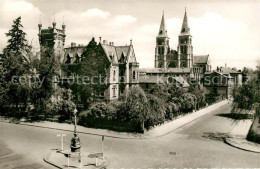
(197, 144)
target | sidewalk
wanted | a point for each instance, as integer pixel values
(85, 160)
(158, 131)
(237, 137)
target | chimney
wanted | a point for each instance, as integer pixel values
(73, 44)
(112, 43)
(54, 25)
(100, 39)
(105, 42)
(40, 27)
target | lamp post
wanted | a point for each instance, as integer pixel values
(75, 141)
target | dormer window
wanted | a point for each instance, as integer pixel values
(161, 32)
(122, 58)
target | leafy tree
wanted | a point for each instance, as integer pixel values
(246, 74)
(156, 110)
(160, 91)
(61, 103)
(136, 105)
(15, 72)
(200, 95)
(42, 90)
(3, 88)
(245, 96)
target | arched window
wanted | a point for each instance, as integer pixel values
(114, 75)
(183, 64)
(172, 65)
(134, 75)
(160, 65)
(163, 50)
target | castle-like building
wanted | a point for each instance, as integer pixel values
(124, 71)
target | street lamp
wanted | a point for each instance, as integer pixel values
(75, 141)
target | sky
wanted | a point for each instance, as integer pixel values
(227, 30)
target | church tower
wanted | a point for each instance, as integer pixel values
(53, 39)
(162, 46)
(185, 49)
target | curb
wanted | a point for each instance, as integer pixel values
(46, 159)
(186, 123)
(94, 134)
(239, 146)
(122, 137)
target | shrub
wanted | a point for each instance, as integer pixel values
(98, 110)
(172, 110)
(189, 101)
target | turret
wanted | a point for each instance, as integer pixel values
(162, 46)
(54, 25)
(63, 28)
(185, 48)
(40, 27)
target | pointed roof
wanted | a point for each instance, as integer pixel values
(185, 29)
(162, 30)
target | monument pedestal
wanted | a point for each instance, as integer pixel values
(75, 144)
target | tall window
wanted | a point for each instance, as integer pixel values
(114, 91)
(134, 75)
(114, 75)
(163, 50)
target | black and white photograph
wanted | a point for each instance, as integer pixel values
(129, 84)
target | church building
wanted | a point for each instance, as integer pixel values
(179, 63)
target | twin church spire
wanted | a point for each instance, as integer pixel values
(162, 30)
(180, 58)
(184, 29)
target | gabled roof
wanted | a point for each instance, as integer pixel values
(73, 52)
(159, 79)
(227, 70)
(117, 52)
(122, 50)
(162, 70)
(185, 29)
(226, 75)
(162, 30)
(110, 52)
(201, 59)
